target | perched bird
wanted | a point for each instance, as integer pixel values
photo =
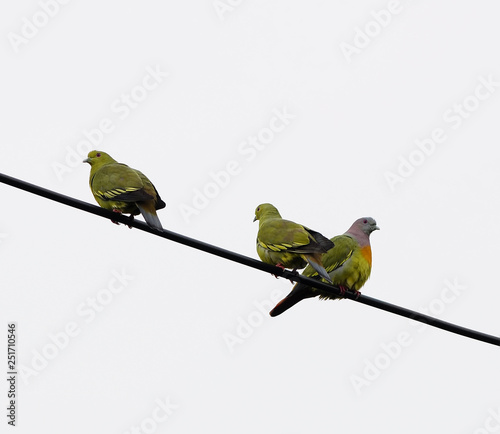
(287, 244)
(120, 188)
(349, 264)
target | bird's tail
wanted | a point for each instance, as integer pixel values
(149, 214)
(315, 262)
(299, 292)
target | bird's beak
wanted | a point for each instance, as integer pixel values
(255, 218)
(376, 228)
(87, 160)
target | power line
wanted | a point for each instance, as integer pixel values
(250, 262)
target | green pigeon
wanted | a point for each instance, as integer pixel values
(348, 264)
(121, 189)
(287, 244)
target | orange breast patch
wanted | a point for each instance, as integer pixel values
(366, 252)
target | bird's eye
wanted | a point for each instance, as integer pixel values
(365, 221)
(98, 154)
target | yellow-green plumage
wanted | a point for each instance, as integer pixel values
(120, 188)
(287, 244)
(348, 264)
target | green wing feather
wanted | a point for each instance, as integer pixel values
(279, 234)
(120, 183)
(344, 248)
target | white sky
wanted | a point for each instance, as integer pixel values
(353, 108)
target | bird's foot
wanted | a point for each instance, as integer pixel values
(343, 290)
(279, 265)
(119, 212)
(131, 217)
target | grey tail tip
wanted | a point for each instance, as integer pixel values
(325, 276)
(155, 224)
(151, 219)
(320, 270)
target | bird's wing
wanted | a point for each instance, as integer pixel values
(337, 256)
(118, 182)
(280, 235)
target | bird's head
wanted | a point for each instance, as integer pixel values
(265, 209)
(367, 225)
(98, 158)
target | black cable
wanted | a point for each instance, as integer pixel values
(250, 262)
